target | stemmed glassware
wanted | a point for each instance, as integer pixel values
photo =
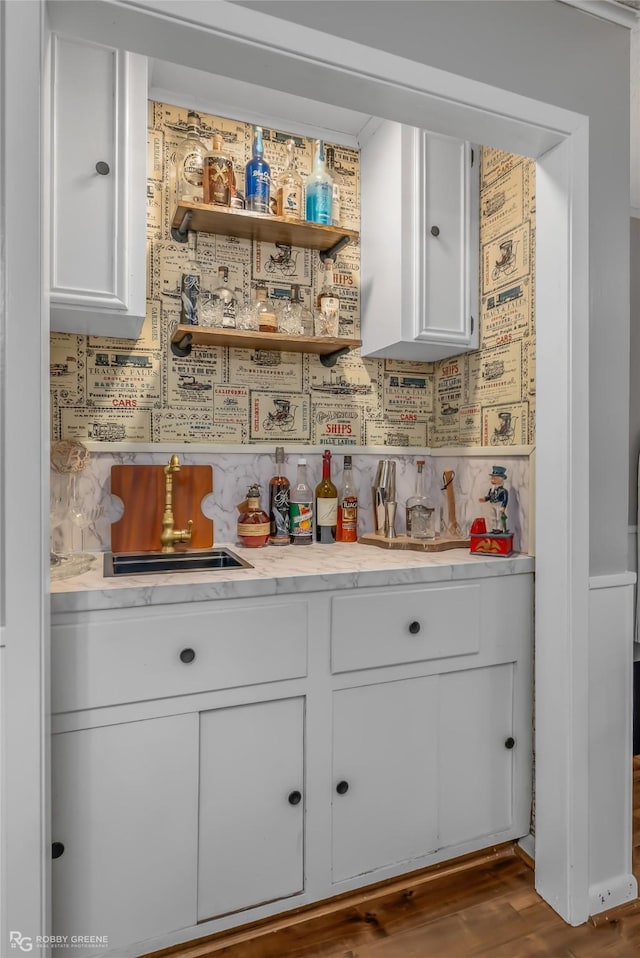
(84, 510)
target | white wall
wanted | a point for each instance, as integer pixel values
(545, 50)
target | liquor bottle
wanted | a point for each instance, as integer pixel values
(253, 521)
(301, 508)
(190, 286)
(279, 503)
(257, 175)
(319, 189)
(420, 511)
(326, 502)
(267, 319)
(190, 154)
(224, 300)
(218, 178)
(290, 189)
(347, 528)
(336, 199)
(327, 320)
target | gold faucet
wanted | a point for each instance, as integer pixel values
(170, 535)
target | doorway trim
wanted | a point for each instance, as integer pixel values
(254, 46)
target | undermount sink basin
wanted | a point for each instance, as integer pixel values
(143, 563)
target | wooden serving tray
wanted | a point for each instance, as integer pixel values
(404, 542)
(141, 489)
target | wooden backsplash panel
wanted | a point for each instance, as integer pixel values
(141, 489)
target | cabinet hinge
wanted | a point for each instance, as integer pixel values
(473, 325)
(473, 154)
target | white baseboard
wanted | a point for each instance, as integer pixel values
(610, 894)
(528, 845)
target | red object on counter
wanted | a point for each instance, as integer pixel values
(478, 527)
(491, 543)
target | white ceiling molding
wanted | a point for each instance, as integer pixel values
(613, 10)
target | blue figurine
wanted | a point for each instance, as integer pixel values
(498, 496)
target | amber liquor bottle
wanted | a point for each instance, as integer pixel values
(326, 503)
(279, 503)
(347, 528)
(253, 522)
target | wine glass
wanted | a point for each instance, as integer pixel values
(58, 507)
(84, 510)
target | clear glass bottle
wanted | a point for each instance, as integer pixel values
(224, 301)
(279, 487)
(301, 508)
(190, 286)
(257, 177)
(190, 154)
(265, 312)
(347, 528)
(420, 510)
(319, 189)
(217, 179)
(253, 521)
(335, 196)
(327, 319)
(290, 189)
(326, 503)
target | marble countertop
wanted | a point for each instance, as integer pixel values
(279, 571)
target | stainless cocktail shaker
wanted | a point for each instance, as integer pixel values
(384, 492)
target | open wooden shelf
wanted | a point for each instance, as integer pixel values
(327, 347)
(261, 226)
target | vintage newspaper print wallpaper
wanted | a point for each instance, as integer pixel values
(114, 390)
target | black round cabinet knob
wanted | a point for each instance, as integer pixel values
(57, 849)
(295, 797)
(509, 742)
(187, 655)
(102, 168)
(414, 628)
(342, 788)
(435, 231)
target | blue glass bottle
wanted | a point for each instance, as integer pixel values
(319, 187)
(257, 176)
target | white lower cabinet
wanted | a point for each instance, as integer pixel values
(479, 754)
(251, 821)
(240, 768)
(420, 765)
(385, 790)
(124, 829)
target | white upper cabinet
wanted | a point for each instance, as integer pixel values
(98, 188)
(419, 235)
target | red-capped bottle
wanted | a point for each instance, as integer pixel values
(326, 503)
(253, 523)
(347, 528)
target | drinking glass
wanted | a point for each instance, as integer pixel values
(58, 508)
(84, 510)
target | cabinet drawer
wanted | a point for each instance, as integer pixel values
(394, 627)
(114, 659)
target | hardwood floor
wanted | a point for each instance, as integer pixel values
(490, 910)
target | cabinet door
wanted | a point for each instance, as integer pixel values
(477, 753)
(385, 750)
(125, 808)
(98, 171)
(251, 806)
(419, 237)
